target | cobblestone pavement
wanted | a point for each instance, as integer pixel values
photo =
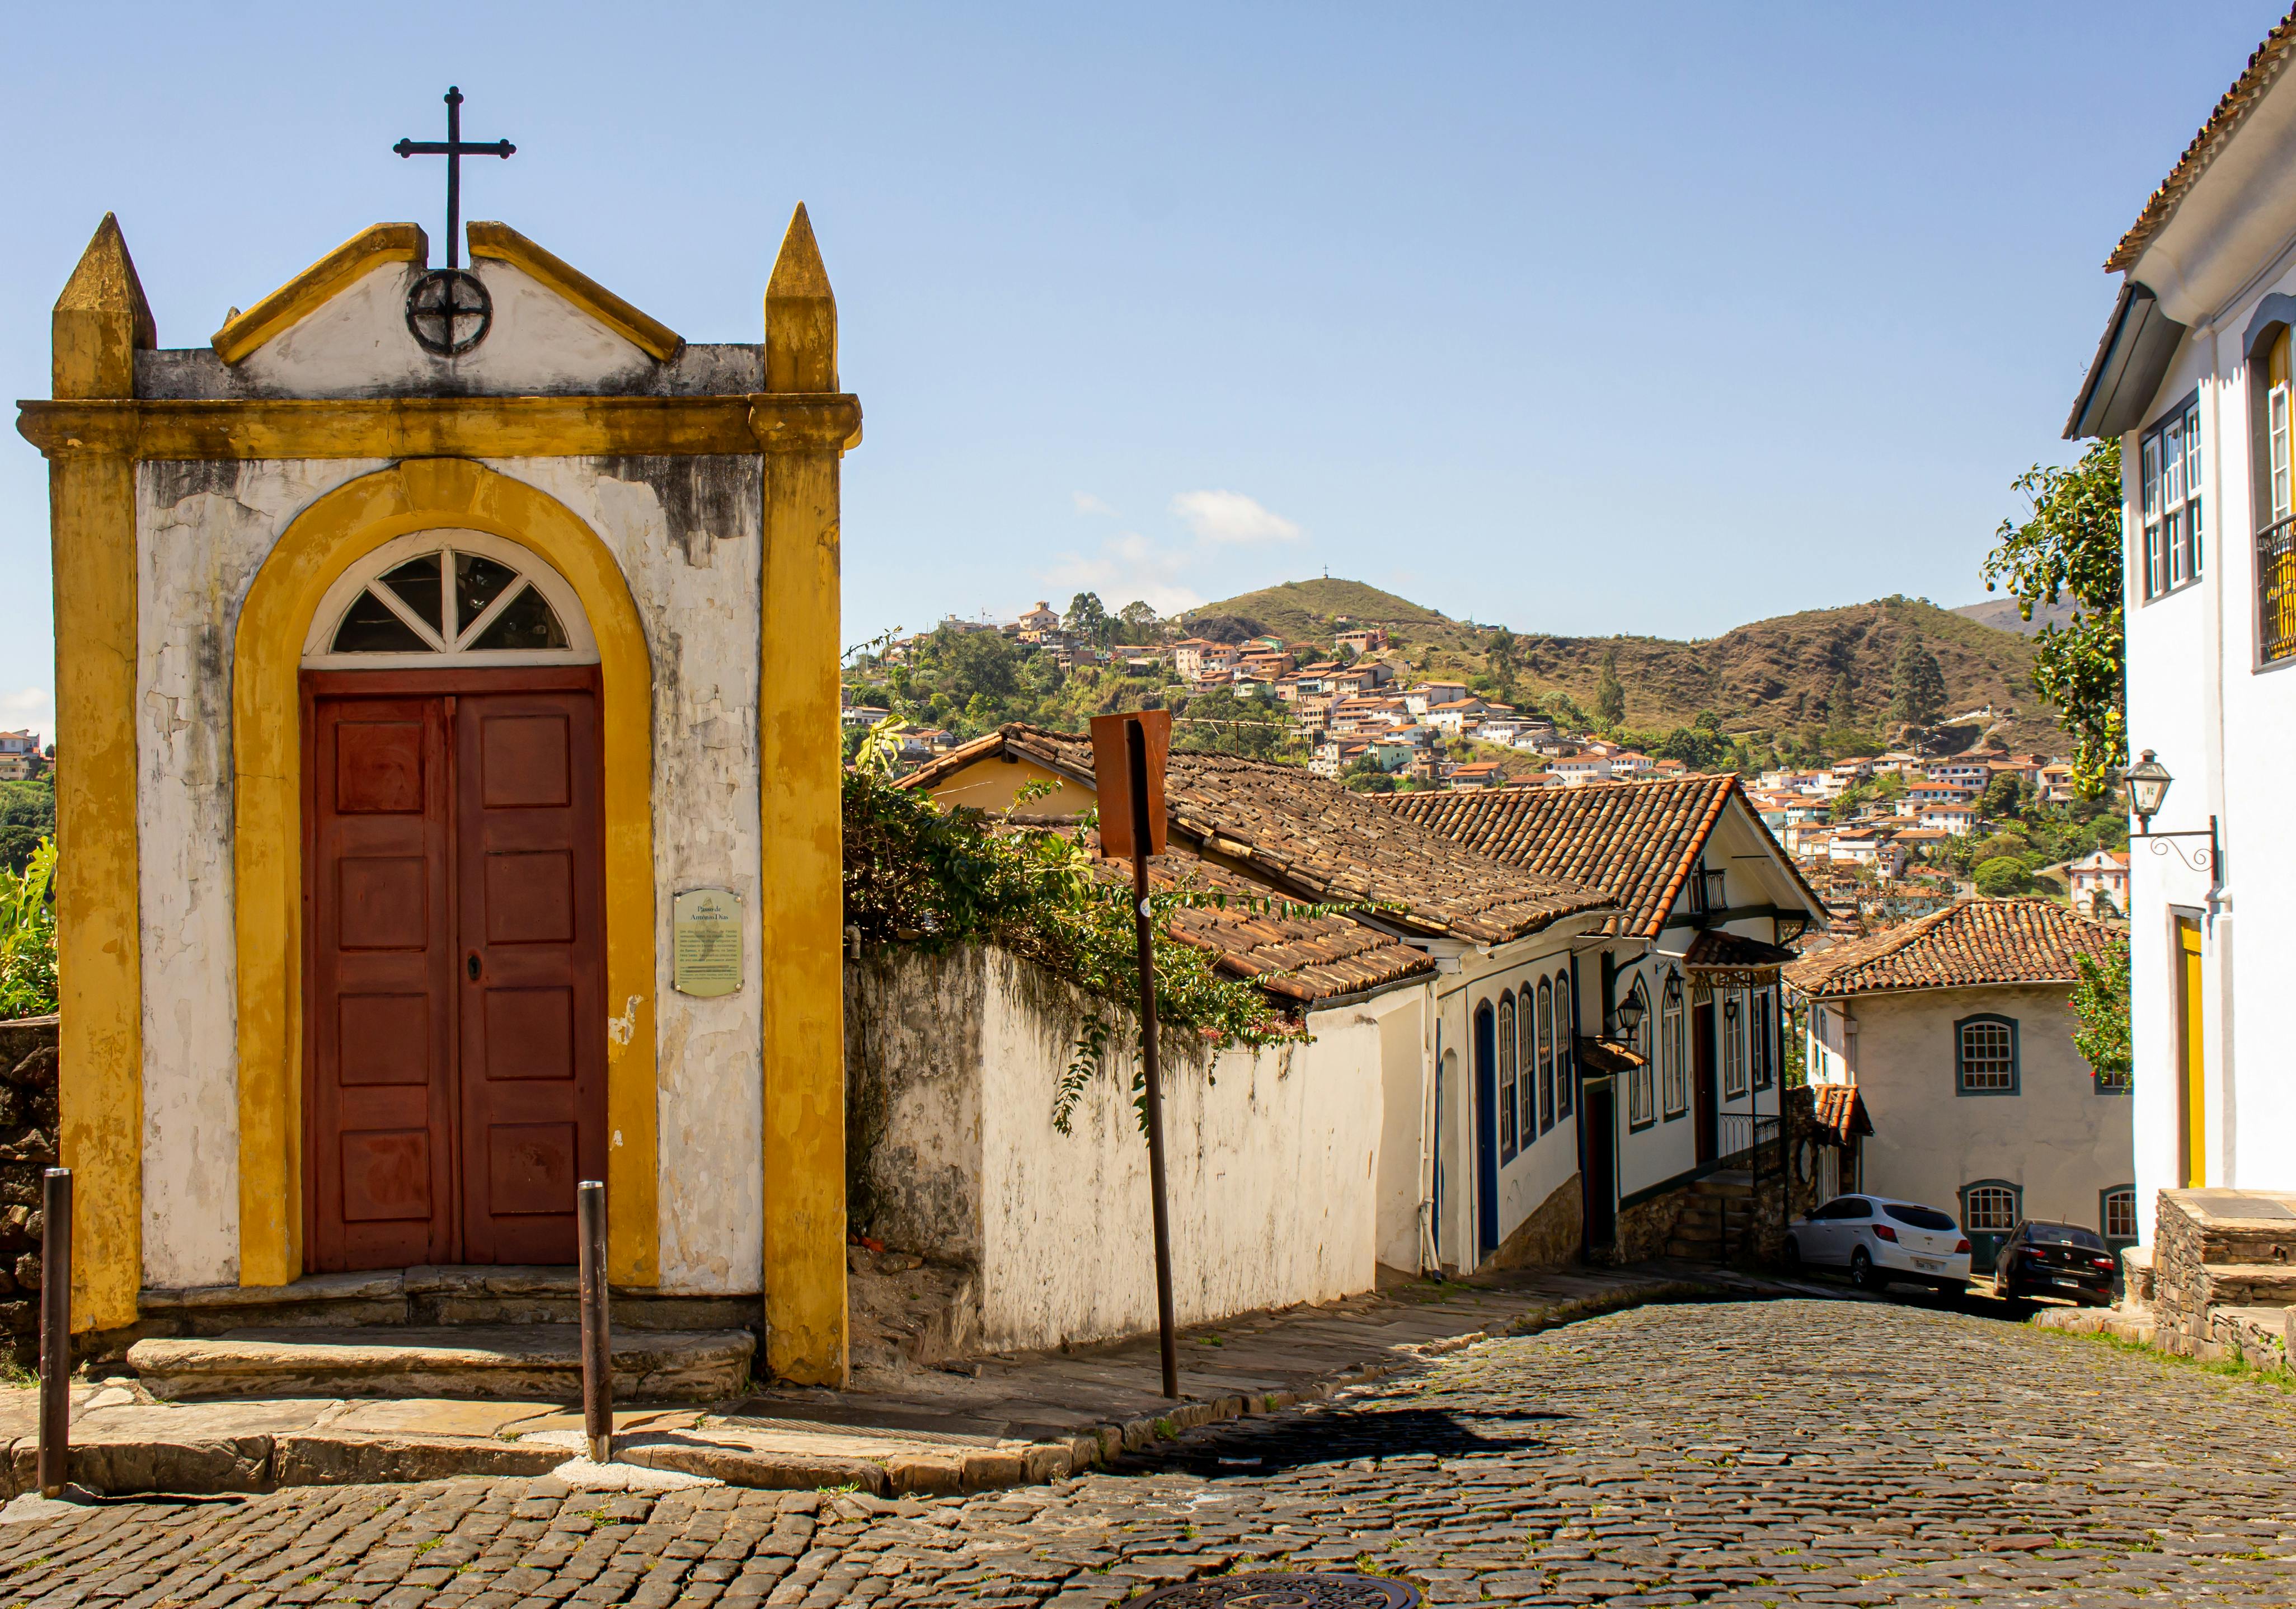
(1790, 1452)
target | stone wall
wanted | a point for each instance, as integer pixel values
(2211, 1252)
(27, 1148)
(1552, 1236)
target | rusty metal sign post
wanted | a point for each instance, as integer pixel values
(1128, 765)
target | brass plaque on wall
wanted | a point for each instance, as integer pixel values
(705, 929)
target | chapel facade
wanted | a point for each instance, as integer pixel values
(448, 784)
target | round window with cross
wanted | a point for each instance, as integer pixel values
(442, 597)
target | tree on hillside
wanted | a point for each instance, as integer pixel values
(2002, 877)
(1087, 618)
(1610, 697)
(2004, 798)
(1501, 653)
(1841, 705)
(1917, 691)
(1139, 622)
(2070, 548)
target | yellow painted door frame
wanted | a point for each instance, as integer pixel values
(2192, 1094)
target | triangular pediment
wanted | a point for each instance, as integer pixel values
(354, 323)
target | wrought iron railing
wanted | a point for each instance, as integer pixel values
(2276, 588)
(1751, 1142)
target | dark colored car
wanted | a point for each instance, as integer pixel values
(2054, 1260)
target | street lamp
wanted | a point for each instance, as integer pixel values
(2148, 783)
(1631, 1014)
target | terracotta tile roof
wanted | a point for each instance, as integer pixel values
(1300, 961)
(1608, 1055)
(1716, 948)
(1841, 1112)
(1968, 946)
(1286, 828)
(1640, 839)
(2263, 68)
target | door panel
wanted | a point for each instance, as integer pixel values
(532, 1006)
(1487, 1136)
(455, 1003)
(381, 925)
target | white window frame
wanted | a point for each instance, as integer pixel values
(1673, 1045)
(1504, 1032)
(581, 647)
(1734, 1024)
(2170, 501)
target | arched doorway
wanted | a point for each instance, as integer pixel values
(455, 1030)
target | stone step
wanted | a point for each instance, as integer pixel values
(2250, 1285)
(530, 1361)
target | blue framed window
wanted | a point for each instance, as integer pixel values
(1566, 1046)
(1985, 1055)
(1506, 1078)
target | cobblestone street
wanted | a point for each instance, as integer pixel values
(1788, 1452)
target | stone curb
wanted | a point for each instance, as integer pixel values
(259, 1463)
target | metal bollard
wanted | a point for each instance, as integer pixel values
(55, 1331)
(597, 1337)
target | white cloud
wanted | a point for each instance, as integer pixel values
(1127, 566)
(1087, 503)
(1219, 516)
(28, 706)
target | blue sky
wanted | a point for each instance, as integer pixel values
(1584, 319)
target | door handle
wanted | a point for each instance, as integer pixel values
(472, 966)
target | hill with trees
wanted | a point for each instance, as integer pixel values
(1798, 675)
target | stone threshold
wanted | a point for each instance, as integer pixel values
(1014, 1420)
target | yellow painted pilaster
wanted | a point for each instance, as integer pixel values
(101, 319)
(801, 780)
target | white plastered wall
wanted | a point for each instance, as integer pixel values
(1273, 1163)
(2059, 1140)
(689, 551)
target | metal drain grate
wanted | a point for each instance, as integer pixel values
(1287, 1591)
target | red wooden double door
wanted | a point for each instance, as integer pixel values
(455, 1001)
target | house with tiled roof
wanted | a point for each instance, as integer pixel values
(1476, 1163)
(2193, 374)
(1689, 864)
(1957, 1031)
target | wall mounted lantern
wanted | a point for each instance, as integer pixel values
(2148, 783)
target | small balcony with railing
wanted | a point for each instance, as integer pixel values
(2275, 589)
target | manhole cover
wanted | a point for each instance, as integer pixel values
(1323, 1591)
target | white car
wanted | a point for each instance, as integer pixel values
(1880, 1241)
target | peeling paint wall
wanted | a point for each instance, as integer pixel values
(1275, 1159)
(686, 535)
(202, 531)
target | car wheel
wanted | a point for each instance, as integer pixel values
(1863, 1274)
(1793, 1254)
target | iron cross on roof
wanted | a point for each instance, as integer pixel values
(453, 148)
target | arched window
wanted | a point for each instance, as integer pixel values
(1566, 1046)
(1506, 1079)
(1672, 1045)
(1545, 1055)
(1989, 1207)
(1527, 1070)
(449, 597)
(1639, 1114)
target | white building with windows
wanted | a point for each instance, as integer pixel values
(1956, 1031)
(2192, 376)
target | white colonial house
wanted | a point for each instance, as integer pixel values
(2099, 881)
(1677, 1003)
(1956, 1032)
(2192, 376)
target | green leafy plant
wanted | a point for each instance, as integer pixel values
(920, 875)
(28, 937)
(2003, 876)
(2070, 548)
(2100, 1002)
